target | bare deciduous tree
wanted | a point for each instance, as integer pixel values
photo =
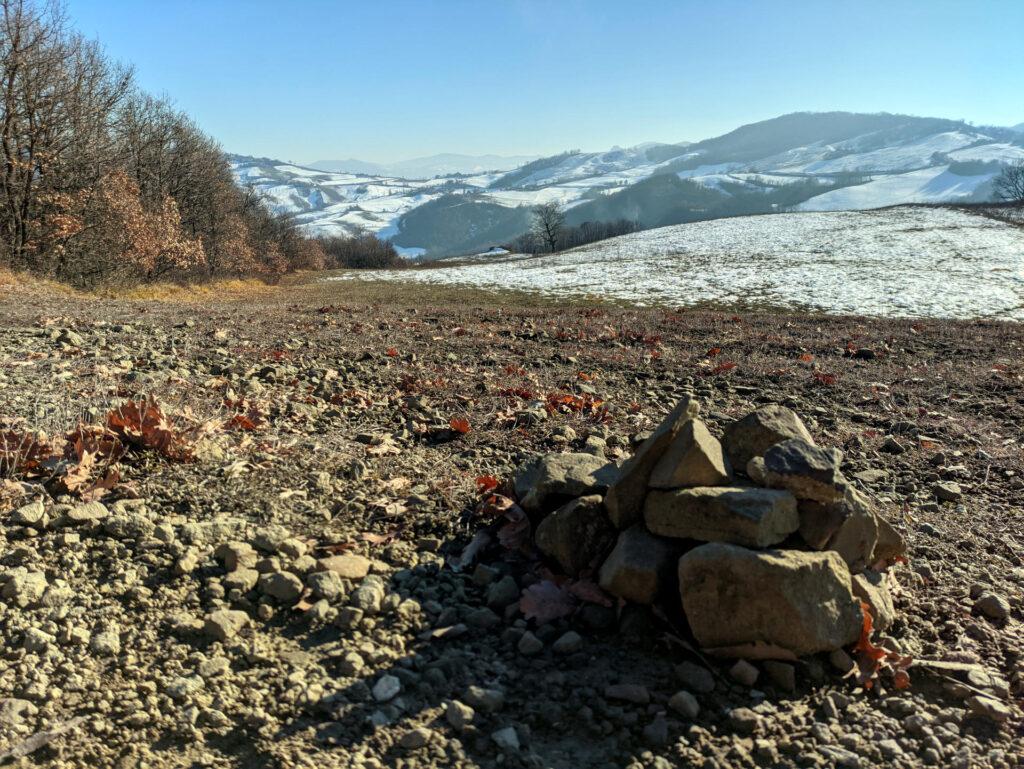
(548, 223)
(100, 180)
(1009, 185)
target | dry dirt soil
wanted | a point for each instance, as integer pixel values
(311, 419)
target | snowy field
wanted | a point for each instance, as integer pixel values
(902, 262)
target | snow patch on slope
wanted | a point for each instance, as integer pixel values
(929, 185)
(907, 261)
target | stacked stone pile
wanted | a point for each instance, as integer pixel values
(765, 544)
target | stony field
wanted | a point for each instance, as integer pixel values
(265, 564)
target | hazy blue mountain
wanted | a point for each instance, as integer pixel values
(427, 167)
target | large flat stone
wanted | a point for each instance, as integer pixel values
(797, 601)
(759, 430)
(577, 535)
(625, 498)
(345, 565)
(548, 481)
(694, 458)
(638, 566)
(744, 516)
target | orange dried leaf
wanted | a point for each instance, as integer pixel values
(722, 368)
(486, 484)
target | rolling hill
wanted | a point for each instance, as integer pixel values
(915, 261)
(798, 162)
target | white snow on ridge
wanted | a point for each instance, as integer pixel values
(904, 164)
(902, 262)
(929, 185)
(903, 157)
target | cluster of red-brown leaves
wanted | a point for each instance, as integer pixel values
(86, 464)
(875, 661)
(246, 415)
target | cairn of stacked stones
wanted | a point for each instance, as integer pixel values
(766, 546)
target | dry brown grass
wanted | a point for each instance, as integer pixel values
(227, 288)
(224, 289)
(11, 279)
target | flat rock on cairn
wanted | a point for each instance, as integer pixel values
(625, 498)
(756, 536)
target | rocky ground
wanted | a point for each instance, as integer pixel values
(187, 616)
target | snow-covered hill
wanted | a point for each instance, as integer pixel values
(906, 261)
(804, 161)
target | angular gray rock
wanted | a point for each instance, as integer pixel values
(849, 526)
(237, 555)
(637, 566)
(345, 565)
(225, 624)
(326, 584)
(695, 677)
(759, 430)
(33, 515)
(800, 602)
(755, 471)
(625, 498)
(743, 516)
(890, 544)
(553, 479)
(992, 605)
(685, 704)
(241, 579)
(694, 458)
(459, 716)
(24, 589)
(282, 585)
(872, 587)
(577, 535)
(809, 471)
(86, 513)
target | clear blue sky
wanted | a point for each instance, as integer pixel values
(387, 80)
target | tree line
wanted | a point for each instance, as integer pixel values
(549, 232)
(101, 182)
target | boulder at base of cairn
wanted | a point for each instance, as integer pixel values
(808, 471)
(695, 458)
(625, 499)
(798, 602)
(576, 535)
(553, 479)
(744, 516)
(638, 565)
(759, 430)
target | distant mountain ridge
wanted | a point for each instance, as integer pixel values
(797, 162)
(427, 167)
